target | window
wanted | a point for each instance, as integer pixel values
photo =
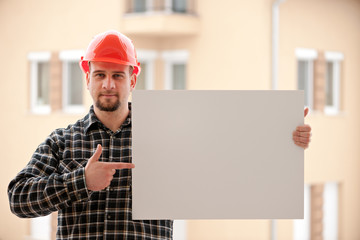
(139, 5)
(179, 230)
(40, 227)
(302, 226)
(305, 80)
(332, 83)
(175, 69)
(146, 78)
(163, 6)
(40, 82)
(141, 79)
(179, 6)
(72, 81)
(179, 78)
(305, 73)
(320, 213)
(331, 215)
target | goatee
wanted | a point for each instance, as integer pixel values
(110, 107)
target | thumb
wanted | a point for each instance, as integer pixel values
(306, 111)
(95, 157)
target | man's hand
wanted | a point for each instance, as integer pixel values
(302, 134)
(98, 175)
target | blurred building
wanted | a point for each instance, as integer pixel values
(194, 44)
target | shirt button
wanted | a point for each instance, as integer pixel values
(111, 189)
(108, 216)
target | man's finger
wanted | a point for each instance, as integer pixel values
(117, 165)
(306, 111)
(304, 146)
(303, 128)
(95, 157)
(301, 139)
(302, 134)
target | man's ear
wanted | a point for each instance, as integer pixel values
(87, 75)
(132, 82)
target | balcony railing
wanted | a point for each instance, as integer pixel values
(160, 6)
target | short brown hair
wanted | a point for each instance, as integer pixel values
(131, 69)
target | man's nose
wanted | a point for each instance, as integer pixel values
(108, 83)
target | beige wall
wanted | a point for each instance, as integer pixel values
(231, 50)
(328, 25)
(37, 25)
(228, 229)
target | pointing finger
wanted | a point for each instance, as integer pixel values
(117, 165)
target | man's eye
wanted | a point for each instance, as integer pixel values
(118, 75)
(100, 75)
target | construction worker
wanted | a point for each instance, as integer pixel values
(84, 171)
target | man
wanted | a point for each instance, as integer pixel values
(83, 171)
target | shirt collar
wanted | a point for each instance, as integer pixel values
(91, 120)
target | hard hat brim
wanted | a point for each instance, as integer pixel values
(84, 64)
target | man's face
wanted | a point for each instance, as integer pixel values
(109, 85)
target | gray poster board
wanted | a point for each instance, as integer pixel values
(217, 154)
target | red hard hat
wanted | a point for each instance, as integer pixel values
(111, 46)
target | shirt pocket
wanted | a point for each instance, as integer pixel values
(71, 164)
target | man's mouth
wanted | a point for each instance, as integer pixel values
(108, 95)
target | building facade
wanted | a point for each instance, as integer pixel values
(195, 44)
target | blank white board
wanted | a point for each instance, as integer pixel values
(217, 155)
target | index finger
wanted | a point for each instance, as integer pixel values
(117, 165)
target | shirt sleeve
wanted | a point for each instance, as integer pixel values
(39, 189)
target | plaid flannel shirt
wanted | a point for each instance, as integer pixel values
(54, 180)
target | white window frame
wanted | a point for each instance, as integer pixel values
(180, 229)
(66, 57)
(35, 58)
(335, 58)
(302, 226)
(150, 8)
(40, 228)
(148, 57)
(170, 58)
(309, 55)
(330, 210)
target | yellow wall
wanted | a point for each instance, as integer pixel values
(328, 25)
(37, 25)
(228, 229)
(231, 50)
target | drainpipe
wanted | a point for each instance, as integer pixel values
(274, 73)
(275, 45)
